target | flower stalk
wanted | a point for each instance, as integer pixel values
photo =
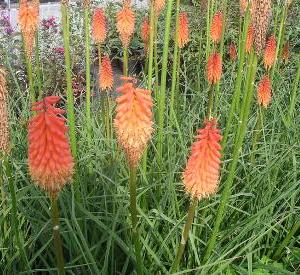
(88, 73)
(56, 235)
(241, 132)
(162, 95)
(185, 234)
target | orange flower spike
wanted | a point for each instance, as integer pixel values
(50, 160)
(202, 172)
(99, 26)
(145, 32)
(232, 52)
(106, 79)
(28, 19)
(214, 68)
(159, 5)
(216, 27)
(183, 30)
(125, 24)
(264, 94)
(270, 52)
(249, 38)
(133, 121)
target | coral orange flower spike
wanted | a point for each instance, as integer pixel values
(106, 79)
(264, 94)
(183, 31)
(214, 68)
(249, 39)
(159, 6)
(133, 121)
(99, 26)
(270, 52)
(125, 24)
(216, 27)
(202, 172)
(50, 160)
(28, 20)
(145, 32)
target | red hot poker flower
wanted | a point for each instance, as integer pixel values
(106, 79)
(99, 26)
(133, 120)
(125, 24)
(183, 31)
(270, 52)
(202, 172)
(214, 68)
(50, 160)
(264, 94)
(216, 27)
(145, 32)
(249, 39)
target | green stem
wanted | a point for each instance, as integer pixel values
(293, 99)
(70, 98)
(210, 104)
(286, 240)
(134, 219)
(185, 234)
(150, 67)
(14, 211)
(56, 236)
(175, 60)
(3, 197)
(257, 133)
(30, 79)
(88, 74)
(241, 131)
(238, 83)
(162, 95)
(38, 68)
(125, 61)
(279, 39)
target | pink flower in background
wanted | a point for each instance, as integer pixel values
(50, 23)
(5, 23)
(59, 50)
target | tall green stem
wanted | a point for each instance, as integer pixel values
(176, 58)
(208, 29)
(293, 98)
(38, 68)
(88, 73)
(134, 219)
(185, 234)
(238, 83)
(279, 37)
(125, 61)
(56, 236)
(241, 131)
(162, 95)
(70, 98)
(30, 79)
(257, 133)
(150, 66)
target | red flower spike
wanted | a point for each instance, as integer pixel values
(264, 94)
(216, 27)
(106, 79)
(99, 26)
(133, 121)
(214, 68)
(50, 160)
(183, 30)
(202, 172)
(270, 52)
